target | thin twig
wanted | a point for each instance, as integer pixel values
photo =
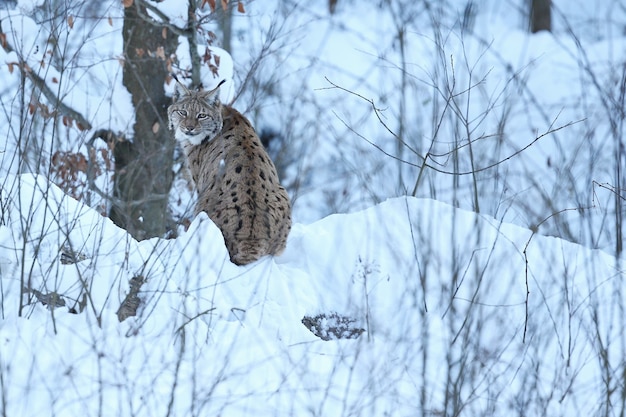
(525, 253)
(41, 85)
(424, 158)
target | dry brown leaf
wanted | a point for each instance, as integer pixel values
(31, 108)
(214, 70)
(164, 33)
(110, 21)
(67, 121)
(45, 111)
(216, 58)
(55, 80)
(211, 4)
(10, 64)
(240, 8)
(105, 156)
(155, 128)
(3, 40)
(70, 21)
(80, 161)
(127, 3)
(80, 126)
(224, 4)
(160, 53)
(207, 55)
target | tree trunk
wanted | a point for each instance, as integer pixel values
(226, 23)
(540, 15)
(143, 174)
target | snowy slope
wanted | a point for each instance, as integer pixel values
(440, 292)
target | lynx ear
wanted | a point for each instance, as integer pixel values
(180, 90)
(212, 96)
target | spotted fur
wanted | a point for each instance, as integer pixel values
(237, 183)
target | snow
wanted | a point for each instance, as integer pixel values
(424, 280)
(457, 312)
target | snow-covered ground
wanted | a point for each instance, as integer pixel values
(461, 313)
(440, 292)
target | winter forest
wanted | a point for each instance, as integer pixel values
(455, 170)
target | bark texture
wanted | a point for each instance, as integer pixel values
(143, 176)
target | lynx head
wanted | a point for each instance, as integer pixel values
(196, 115)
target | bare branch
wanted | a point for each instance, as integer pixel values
(55, 101)
(428, 155)
(109, 137)
(610, 188)
(525, 253)
(41, 85)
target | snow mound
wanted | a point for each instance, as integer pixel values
(446, 300)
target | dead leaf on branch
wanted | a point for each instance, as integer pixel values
(224, 4)
(160, 53)
(214, 70)
(211, 4)
(240, 8)
(127, 3)
(45, 111)
(70, 21)
(52, 300)
(131, 302)
(68, 171)
(108, 162)
(3, 40)
(68, 164)
(207, 56)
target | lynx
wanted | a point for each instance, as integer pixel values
(236, 181)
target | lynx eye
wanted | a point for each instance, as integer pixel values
(182, 113)
(202, 116)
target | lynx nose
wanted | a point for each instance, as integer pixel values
(189, 128)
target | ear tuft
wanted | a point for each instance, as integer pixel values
(180, 90)
(212, 96)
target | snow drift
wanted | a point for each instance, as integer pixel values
(440, 292)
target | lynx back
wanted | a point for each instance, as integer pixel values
(236, 180)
